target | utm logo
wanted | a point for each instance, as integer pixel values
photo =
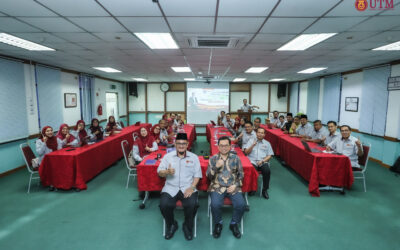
(361, 5)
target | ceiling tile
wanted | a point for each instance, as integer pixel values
(39, 37)
(98, 24)
(245, 8)
(181, 7)
(286, 25)
(378, 23)
(24, 8)
(145, 24)
(131, 8)
(52, 24)
(191, 24)
(9, 24)
(78, 37)
(239, 24)
(385, 37)
(303, 8)
(351, 36)
(334, 24)
(273, 38)
(111, 37)
(75, 8)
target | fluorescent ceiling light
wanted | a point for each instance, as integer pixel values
(306, 41)
(311, 70)
(277, 79)
(140, 79)
(392, 46)
(158, 40)
(239, 79)
(181, 69)
(107, 69)
(255, 69)
(21, 43)
(189, 79)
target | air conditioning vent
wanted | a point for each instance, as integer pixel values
(213, 41)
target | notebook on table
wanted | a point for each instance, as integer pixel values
(307, 148)
(150, 162)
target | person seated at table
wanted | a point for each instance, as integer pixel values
(229, 123)
(179, 120)
(257, 122)
(294, 126)
(246, 135)
(143, 145)
(281, 123)
(247, 107)
(66, 138)
(259, 152)
(172, 118)
(289, 121)
(95, 131)
(239, 126)
(182, 171)
(225, 173)
(318, 134)
(47, 143)
(112, 125)
(333, 134)
(166, 133)
(221, 119)
(347, 145)
(275, 118)
(305, 129)
(155, 132)
(80, 133)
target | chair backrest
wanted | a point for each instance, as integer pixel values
(125, 151)
(122, 124)
(213, 123)
(363, 160)
(28, 155)
(137, 123)
(134, 136)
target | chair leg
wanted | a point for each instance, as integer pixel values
(262, 183)
(163, 227)
(29, 185)
(365, 184)
(246, 198)
(241, 224)
(195, 225)
(210, 222)
(127, 182)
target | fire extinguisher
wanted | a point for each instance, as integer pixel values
(99, 110)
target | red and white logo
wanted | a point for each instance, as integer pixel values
(361, 5)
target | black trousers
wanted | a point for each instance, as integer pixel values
(266, 173)
(168, 204)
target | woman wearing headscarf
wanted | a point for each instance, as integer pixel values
(155, 132)
(47, 143)
(143, 145)
(80, 133)
(112, 125)
(65, 137)
(95, 130)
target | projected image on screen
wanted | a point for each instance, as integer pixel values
(205, 101)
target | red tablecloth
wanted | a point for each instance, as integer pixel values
(148, 179)
(72, 169)
(317, 168)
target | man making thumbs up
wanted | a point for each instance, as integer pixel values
(182, 171)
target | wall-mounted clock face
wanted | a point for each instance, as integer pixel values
(164, 87)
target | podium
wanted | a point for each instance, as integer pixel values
(246, 115)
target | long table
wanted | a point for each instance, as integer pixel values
(148, 179)
(65, 169)
(316, 168)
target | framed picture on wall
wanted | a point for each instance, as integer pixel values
(351, 104)
(70, 100)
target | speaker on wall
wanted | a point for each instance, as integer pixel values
(281, 90)
(132, 88)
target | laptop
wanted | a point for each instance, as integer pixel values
(312, 150)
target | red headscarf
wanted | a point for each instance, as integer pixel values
(82, 134)
(237, 125)
(143, 141)
(110, 125)
(62, 137)
(51, 142)
(153, 133)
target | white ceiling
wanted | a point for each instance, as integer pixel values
(93, 33)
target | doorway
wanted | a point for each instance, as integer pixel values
(112, 105)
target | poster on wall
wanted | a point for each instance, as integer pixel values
(70, 100)
(351, 104)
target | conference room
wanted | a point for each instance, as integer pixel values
(199, 124)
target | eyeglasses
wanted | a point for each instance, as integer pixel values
(181, 144)
(224, 146)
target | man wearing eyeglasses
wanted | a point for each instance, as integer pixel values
(225, 173)
(182, 171)
(347, 145)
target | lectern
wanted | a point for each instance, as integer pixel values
(246, 115)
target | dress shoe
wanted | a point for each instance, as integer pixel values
(187, 232)
(235, 230)
(252, 193)
(171, 230)
(265, 194)
(246, 208)
(217, 230)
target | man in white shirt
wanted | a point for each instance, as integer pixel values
(246, 107)
(275, 119)
(305, 129)
(247, 134)
(333, 134)
(318, 134)
(347, 145)
(182, 171)
(229, 123)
